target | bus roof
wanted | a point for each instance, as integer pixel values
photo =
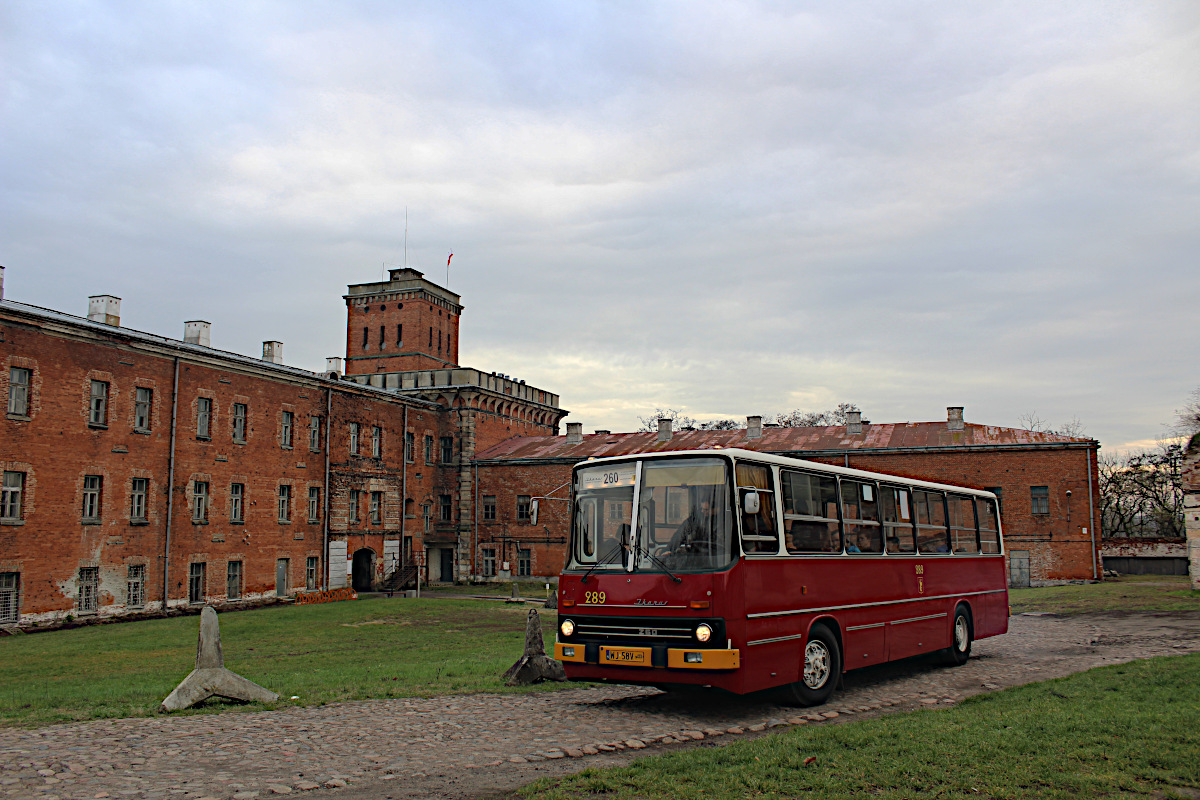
(784, 461)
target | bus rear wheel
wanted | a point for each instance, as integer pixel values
(819, 670)
(960, 646)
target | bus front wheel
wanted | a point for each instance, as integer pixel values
(960, 646)
(820, 669)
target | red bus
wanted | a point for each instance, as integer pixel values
(747, 571)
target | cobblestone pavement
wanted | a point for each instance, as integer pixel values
(427, 745)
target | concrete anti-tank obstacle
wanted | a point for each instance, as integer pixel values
(535, 665)
(210, 678)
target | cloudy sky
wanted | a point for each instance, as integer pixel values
(727, 208)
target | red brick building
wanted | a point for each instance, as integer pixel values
(141, 472)
(1046, 482)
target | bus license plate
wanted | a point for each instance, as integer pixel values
(619, 655)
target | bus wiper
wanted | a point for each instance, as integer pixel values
(612, 551)
(660, 563)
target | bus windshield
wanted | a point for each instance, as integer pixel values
(684, 522)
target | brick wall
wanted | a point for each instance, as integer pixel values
(56, 448)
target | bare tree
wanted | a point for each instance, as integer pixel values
(813, 419)
(1030, 421)
(679, 420)
(1141, 494)
(1187, 424)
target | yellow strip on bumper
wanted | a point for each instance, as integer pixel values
(709, 659)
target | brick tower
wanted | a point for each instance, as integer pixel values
(406, 323)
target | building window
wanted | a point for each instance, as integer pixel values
(237, 502)
(382, 337)
(314, 504)
(199, 501)
(376, 442)
(98, 405)
(285, 430)
(524, 562)
(427, 515)
(203, 417)
(366, 336)
(196, 584)
(139, 488)
(489, 561)
(285, 503)
(447, 511)
(233, 580)
(376, 508)
(239, 423)
(10, 501)
(489, 507)
(1039, 499)
(89, 589)
(311, 566)
(91, 498)
(447, 449)
(353, 505)
(10, 597)
(409, 444)
(399, 335)
(142, 400)
(314, 434)
(428, 449)
(999, 492)
(353, 438)
(135, 586)
(523, 508)
(18, 391)
(430, 338)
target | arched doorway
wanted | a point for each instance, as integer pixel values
(362, 571)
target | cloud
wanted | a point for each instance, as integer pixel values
(728, 208)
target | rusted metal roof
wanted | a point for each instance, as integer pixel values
(910, 436)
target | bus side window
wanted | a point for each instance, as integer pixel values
(587, 530)
(897, 519)
(860, 518)
(989, 526)
(810, 511)
(932, 536)
(963, 538)
(760, 534)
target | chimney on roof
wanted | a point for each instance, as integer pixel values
(854, 422)
(954, 418)
(664, 429)
(754, 427)
(334, 364)
(602, 433)
(574, 432)
(273, 352)
(105, 308)
(197, 331)
(1, 283)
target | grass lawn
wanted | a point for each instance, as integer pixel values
(367, 648)
(1127, 730)
(1128, 593)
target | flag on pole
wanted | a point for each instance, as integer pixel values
(449, 257)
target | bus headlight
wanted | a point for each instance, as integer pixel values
(703, 632)
(567, 627)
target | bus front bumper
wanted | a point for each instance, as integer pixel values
(654, 657)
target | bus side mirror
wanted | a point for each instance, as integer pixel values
(533, 511)
(750, 503)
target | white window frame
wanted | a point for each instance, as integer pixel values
(20, 380)
(12, 496)
(98, 404)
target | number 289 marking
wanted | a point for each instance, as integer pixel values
(593, 598)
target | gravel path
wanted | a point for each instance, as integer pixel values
(466, 746)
